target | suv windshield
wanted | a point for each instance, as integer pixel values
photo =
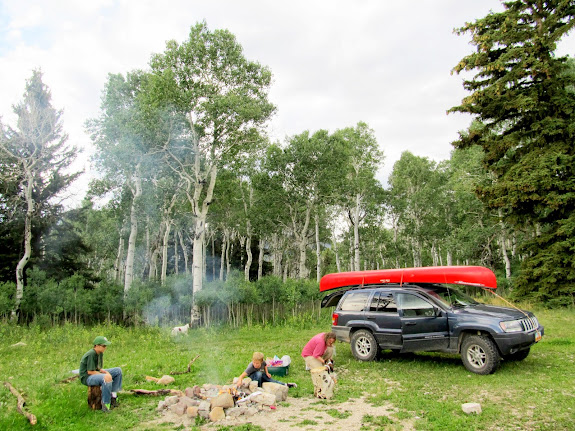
(451, 296)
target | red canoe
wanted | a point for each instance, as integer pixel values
(465, 275)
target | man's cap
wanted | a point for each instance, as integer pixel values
(101, 341)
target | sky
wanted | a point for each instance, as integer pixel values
(334, 62)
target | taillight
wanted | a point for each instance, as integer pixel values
(334, 318)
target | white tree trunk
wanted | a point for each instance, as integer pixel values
(334, 245)
(317, 249)
(176, 254)
(136, 192)
(167, 229)
(504, 246)
(229, 249)
(261, 258)
(223, 254)
(213, 257)
(356, 230)
(200, 230)
(277, 256)
(184, 252)
(118, 262)
(301, 241)
(248, 252)
(30, 205)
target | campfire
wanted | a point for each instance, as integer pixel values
(216, 402)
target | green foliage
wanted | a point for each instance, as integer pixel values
(7, 290)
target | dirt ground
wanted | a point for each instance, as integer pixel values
(308, 414)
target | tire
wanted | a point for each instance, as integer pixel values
(363, 345)
(517, 356)
(479, 354)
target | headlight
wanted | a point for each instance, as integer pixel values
(511, 326)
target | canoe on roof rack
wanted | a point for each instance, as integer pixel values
(463, 275)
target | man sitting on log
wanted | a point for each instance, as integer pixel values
(92, 373)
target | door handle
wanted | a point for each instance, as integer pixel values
(409, 323)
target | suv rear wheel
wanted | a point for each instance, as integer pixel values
(363, 345)
(479, 354)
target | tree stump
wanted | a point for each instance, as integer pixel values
(95, 397)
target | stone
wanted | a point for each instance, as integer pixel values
(165, 380)
(188, 402)
(263, 398)
(161, 405)
(178, 409)
(234, 412)
(469, 408)
(189, 392)
(217, 414)
(197, 391)
(279, 391)
(224, 400)
(172, 400)
(246, 382)
(253, 386)
(250, 411)
(192, 411)
(204, 409)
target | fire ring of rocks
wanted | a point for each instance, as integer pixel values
(216, 402)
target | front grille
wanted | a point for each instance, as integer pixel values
(530, 324)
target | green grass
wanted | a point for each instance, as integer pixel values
(425, 389)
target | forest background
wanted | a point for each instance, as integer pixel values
(197, 214)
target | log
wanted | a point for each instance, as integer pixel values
(157, 392)
(95, 397)
(21, 403)
(175, 373)
(70, 379)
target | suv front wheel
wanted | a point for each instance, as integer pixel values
(479, 354)
(363, 345)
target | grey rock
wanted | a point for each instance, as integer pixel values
(469, 408)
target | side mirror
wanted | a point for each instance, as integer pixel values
(437, 312)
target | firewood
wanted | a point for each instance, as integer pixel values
(70, 379)
(21, 403)
(176, 373)
(157, 392)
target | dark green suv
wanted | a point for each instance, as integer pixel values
(431, 318)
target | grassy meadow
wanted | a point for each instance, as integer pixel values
(425, 390)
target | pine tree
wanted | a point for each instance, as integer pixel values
(522, 94)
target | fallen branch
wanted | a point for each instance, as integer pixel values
(175, 373)
(69, 379)
(21, 403)
(157, 392)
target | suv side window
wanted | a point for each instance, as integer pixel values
(414, 306)
(355, 301)
(383, 302)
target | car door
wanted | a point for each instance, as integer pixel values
(382, 312)
(424, 327)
